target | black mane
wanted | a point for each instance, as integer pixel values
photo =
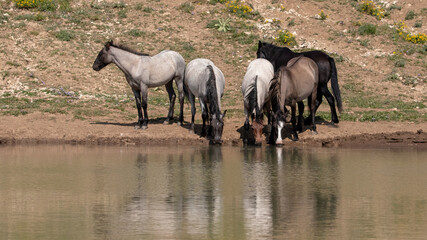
(127, 49)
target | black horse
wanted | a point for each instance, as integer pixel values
(280, 56)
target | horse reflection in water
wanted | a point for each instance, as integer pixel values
(209, 192)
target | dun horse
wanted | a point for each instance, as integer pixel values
(255, 87)
(205, 81)
(280, 56)
(291, 85)
(143, 72)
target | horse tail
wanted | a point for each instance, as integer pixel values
(253, 99)
(334, 83)
(273, 92)
(212, 93)
(185, 88)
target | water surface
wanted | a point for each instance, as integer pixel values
(75, 192)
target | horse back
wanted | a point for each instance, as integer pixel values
(197, 75)
(302, 78)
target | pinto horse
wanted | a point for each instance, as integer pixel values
(143, 72)
(255, 87)
(280, 56)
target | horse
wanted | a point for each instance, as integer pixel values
(292, 84)
(255, 87)
(206, 82)
(143, 71)
(280, 56)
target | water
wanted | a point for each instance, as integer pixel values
(72, 192)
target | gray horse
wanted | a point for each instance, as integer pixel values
(205, 81)
(255, 87)
(143, 72)
(292, 84)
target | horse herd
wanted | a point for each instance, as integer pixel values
(278, 77)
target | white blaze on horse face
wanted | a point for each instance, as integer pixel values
(279, 132)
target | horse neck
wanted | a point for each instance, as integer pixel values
(125, 60)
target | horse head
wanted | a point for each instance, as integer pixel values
(257, 127)
(217, 124)
(104, 58)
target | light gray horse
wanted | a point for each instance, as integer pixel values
(292, 84)
(205, 81)
(255, 89)
(143, 72)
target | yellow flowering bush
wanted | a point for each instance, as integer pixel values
(414, 38)
(240, 9)
(286, 38)
(27, 3)
(372, 9)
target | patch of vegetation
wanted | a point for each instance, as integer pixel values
(65, 35)
(410, 15)
(136, 33)
(285, 38)
(186, 7)
(369, 7)
(367, 29)
(223, 25)
(241, 9)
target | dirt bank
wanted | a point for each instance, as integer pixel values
(62, 129)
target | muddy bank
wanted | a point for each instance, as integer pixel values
(42, 128)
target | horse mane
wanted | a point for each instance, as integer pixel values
(212, 93)
(122, 47)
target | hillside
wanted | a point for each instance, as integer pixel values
(46, 55)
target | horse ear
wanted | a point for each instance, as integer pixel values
(223, 115)
(259, 44)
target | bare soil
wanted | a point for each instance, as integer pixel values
(41, 128)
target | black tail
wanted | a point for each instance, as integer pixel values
(212, 93)
(184, 86)
(253, 100)
(334, 83)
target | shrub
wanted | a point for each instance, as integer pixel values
(241, 9)
(414, 38)
(187, 7)
(410, 15)
(64, 35)
(372, 9)
(367, 29)
(223, 25)
(43, 5)
(286, 38)
(322, 16)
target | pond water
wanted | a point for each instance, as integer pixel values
(76, 192)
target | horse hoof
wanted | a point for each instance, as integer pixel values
(191, 131)
(137, 127)
(295, 139)
(179, 123)
(144, 127)
(279, 143)
(314, 132)
(166, 122)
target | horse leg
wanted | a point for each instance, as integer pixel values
(180, 85)
(137, 95)
(293, 121)
(144, 93)
(246, 127)
(319, 100)
(331, 100)
(204, 118)
(172, 96)
(192, 99)
(312, 106)
(300, 116)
